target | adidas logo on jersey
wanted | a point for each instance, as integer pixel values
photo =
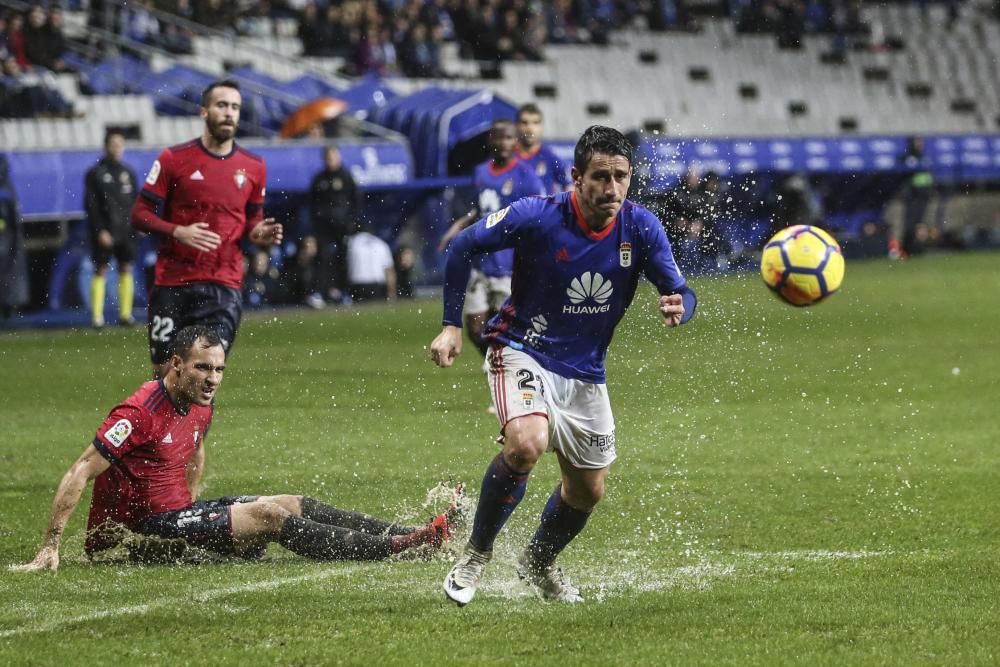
(196, 176)
(169, 440)
(589, 287)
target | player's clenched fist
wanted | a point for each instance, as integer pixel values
(672, 309)
(447, 346)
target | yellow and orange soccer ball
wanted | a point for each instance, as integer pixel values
(802, 264)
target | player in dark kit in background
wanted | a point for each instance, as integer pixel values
(212, 195)
(499, 182)
(578, 260)
(109, 194)
(147, 461)
(540, 158)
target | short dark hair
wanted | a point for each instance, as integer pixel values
(206, 95)
(186, 338)
(600, 139)
(530, 107)
(111, 133)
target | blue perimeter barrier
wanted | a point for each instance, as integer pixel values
(49, 184)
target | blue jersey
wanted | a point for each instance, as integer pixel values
(496, 190)
(571, 286)
(548, 168)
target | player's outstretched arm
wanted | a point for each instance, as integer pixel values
(88, 466)
(447, 346)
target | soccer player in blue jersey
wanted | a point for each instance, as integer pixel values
(539, 157)
(499, 182)
(578, 257)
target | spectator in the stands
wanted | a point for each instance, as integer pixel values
(680, 205)
(712, 212)
(670, 15)
(302, 276)
(370, 267)
(311, 31)
(32, 92)
(600, 18)
(138, 23)
(217, 14)
(15, 40)
(4, 49)
(463, 14)
(339, 35)
(103, 15)
(375, 52)
(420, 57)
(36, 41)
(406, 261)
(792, 24)
(483, 33)
(262, 285)
(254, 20)
(44, 41)
(515, 39)
(795, 202)
(560, 24)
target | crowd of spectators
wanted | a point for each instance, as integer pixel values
(32, 46)
(405, 36)
(791, 20)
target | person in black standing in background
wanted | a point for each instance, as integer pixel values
(13, 260)
(917, 193)
(109, 194)
(334, 202)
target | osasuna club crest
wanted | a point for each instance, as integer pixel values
(625, 254)
(240, 177)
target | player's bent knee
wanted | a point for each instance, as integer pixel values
(291, 503)
(258, 519)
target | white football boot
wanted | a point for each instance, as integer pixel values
(548, 580)
(460, 584)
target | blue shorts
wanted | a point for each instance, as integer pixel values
(206, 524)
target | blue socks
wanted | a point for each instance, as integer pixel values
(503, 487)
(560, 524)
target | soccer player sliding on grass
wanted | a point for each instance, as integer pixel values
(578, 257)
(147, 461)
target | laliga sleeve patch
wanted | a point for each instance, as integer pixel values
(494, 218)
(119, 433)
(154, 173)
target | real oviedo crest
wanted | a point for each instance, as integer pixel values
(625, 254)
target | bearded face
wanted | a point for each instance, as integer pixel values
(222, 115)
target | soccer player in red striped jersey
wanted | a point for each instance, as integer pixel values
(147, 461)
(202, 198)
